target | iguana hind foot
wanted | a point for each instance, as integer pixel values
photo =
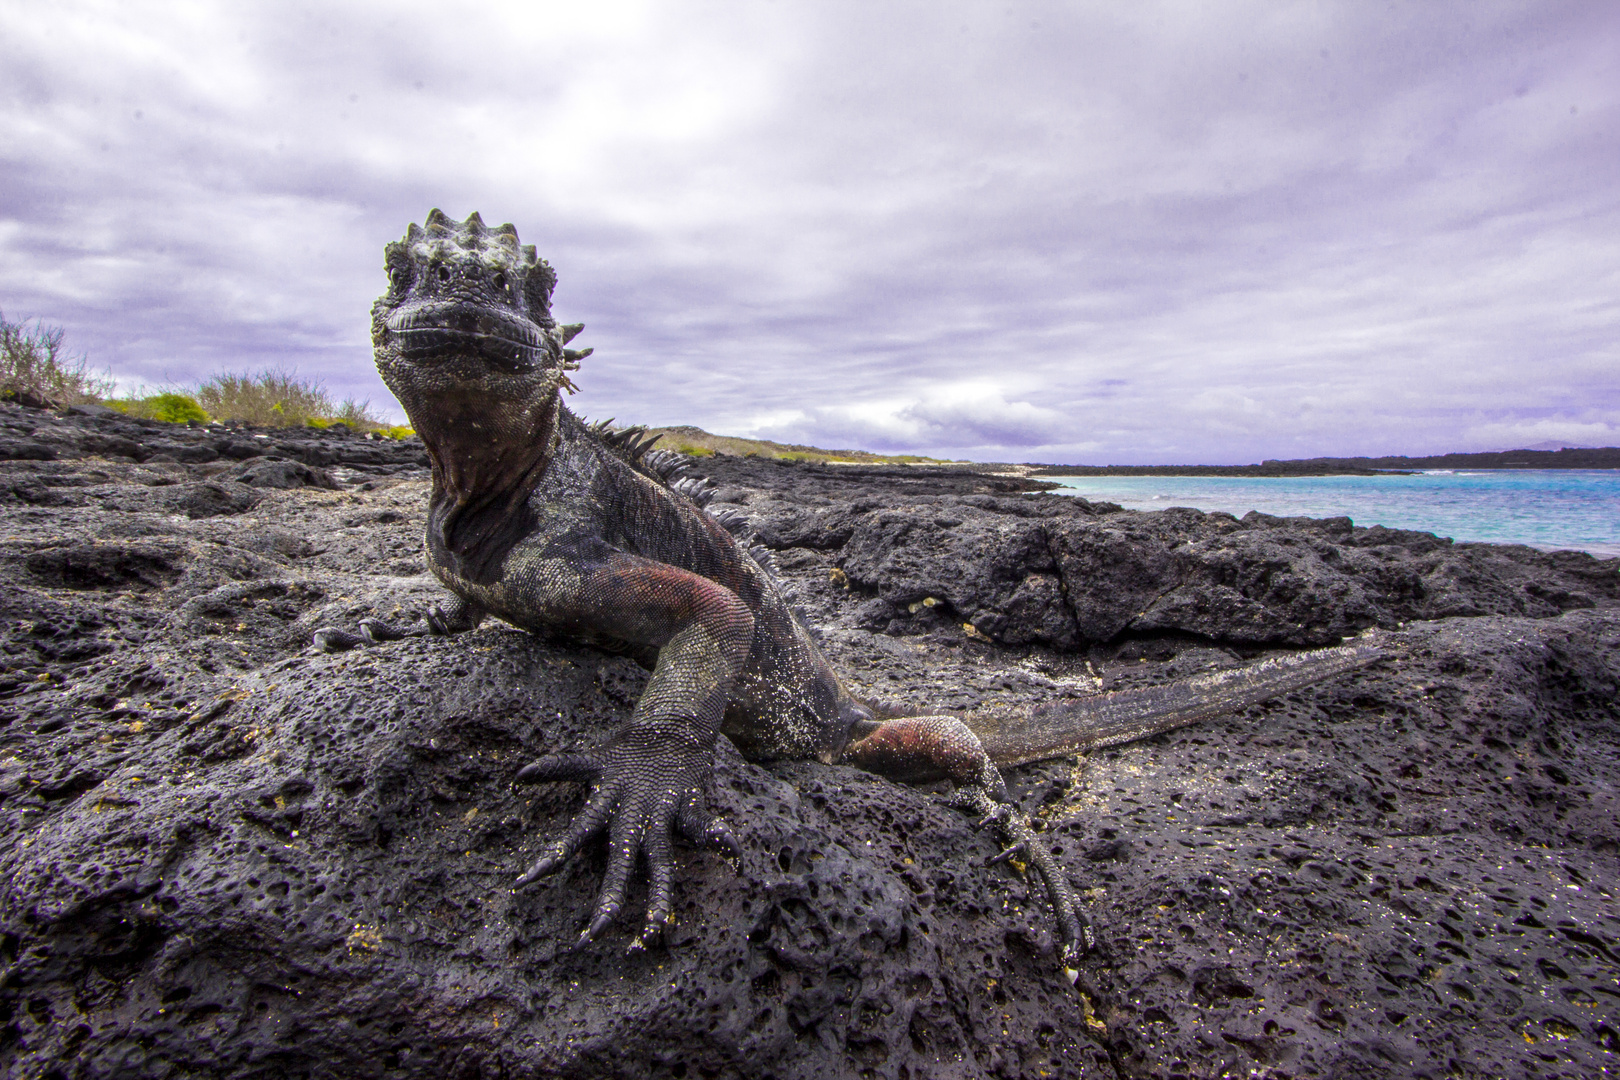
(1025, 845)
(917, 748)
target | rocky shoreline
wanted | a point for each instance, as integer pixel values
(226, 854)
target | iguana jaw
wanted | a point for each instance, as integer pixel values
(429, 332)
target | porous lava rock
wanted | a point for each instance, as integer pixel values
(1067, 573)
(225, 854)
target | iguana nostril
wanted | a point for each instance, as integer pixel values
(444, 273)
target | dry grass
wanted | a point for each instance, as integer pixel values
(277, 398)
(699, 443)
(35, 370)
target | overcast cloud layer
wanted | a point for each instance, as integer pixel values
(1128, 233)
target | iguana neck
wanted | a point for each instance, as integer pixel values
(480, 457)
(485, 464)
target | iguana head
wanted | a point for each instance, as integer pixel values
(465, 339)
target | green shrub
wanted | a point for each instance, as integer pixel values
(34, 369)
(127, 406)
(399, 431)
(174, 408)
(170, 406)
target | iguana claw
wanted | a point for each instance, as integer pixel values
(377, 631)
(1008, 854)
(331, 639)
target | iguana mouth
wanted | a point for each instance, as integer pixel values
(439, 331)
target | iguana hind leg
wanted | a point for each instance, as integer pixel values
(920, 748)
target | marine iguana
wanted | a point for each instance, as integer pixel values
(551, 524)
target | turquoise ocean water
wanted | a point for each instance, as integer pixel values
(1545, 508)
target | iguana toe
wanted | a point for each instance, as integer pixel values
(622, 851)
(578, 768)
(586, 824)
(702, 829)
(1009, 854)
(660, 891)
(376, 631)
(331, 639)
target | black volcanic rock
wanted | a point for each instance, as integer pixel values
(98, 432)
(283, 474)
(1064, 572)
(212, 498)
(225, 854)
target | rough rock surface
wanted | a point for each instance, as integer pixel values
(1065, 572)
(224, 854)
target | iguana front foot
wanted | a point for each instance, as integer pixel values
(644, 788)
(461, 616)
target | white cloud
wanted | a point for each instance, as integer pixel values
(973, 414)
(1095, 232)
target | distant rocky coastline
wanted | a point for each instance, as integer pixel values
(224, 854)
(695, 440)
(1265, 468)
(1587, 458)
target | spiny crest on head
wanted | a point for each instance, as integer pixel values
(472, 235)
(438, 223)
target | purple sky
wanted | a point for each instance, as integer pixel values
(1131, 233)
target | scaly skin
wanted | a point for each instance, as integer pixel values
(547, 523)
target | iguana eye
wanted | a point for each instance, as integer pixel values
(444, 272)
(399, 278)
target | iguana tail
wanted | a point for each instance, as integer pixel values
(1123, 716)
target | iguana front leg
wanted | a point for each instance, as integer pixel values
(651, 778)
(457, 616)
(921, 748)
